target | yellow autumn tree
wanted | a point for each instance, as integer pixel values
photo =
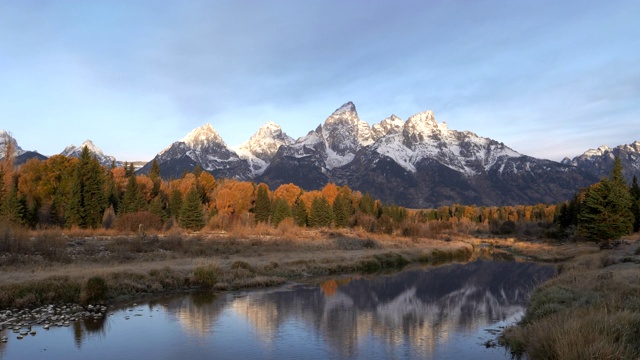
(289, 192)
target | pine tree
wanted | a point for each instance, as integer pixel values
(366, 204)
(175, 204)
(342, 210)
(129, 170)
(75, 212)
(87, 202)
(95, 200)
(606, 212)
(282, 211)
(154, 175)
(113, 197)
(300, 213)
(635, 205)
(191, 214)
(133, 199)
(320, 214)
(158, 206)
(154, 172)
(262, 206)
(12, 209)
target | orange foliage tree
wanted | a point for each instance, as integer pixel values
(330, 192)
(289, 192)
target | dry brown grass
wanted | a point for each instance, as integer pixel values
(591, 310)
(131, 264)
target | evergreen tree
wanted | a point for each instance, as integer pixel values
(282, 211)
(112, 193)
(366, 204)
(75, 212)
(320, 214)
(154, 175)
(129, 170)
(300, 213)
(175, 204)
(635, 205)
(191, 214)
(154, 172)
(158, 206)
(342, 210)
(87, 202)
(606, 212)
(133, 199)
(12, 209)
(262, 206)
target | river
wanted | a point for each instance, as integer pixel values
(444, 312)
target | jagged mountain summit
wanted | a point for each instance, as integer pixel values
(203, 146)
(76, 151)
(262, 146)
(21, 156)
(600, 161)
(415, 163)
(4, 137)
(419, 163)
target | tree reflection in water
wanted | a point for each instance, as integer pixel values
(416, 313)
(415, 309)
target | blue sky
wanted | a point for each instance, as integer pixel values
(548, 78)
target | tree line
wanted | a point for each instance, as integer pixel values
(79, 192)
(603, 212)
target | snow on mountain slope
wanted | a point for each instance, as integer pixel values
(202, 146)
(600, 161)
(390, 125)
(422, 137)
(76, 151)
(335, 143)
(344, 134)
(262, 146)
(5, 135)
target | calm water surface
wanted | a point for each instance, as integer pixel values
(444, 312)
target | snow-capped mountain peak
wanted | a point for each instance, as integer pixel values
(76, 151)
(392, 124)
(5, 135)
(597, 152)
(202, 136)
(263, 145)
(346, 108)
(344, 134)
(599, 161)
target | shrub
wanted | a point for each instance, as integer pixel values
(95, 290)
(385, 224)
(241, 265)
(13, 239)
(172, 242)
(206, 276)
(132, 221)
(51, 245)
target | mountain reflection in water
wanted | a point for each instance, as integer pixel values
(435, 312)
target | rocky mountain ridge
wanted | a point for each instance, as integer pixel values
(600, 161)
(104, 160)
(415, 163)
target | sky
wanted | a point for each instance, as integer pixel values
(548, 78)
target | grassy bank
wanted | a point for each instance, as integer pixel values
(591, 310)
(44, 267)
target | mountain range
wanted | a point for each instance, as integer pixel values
(417, 163)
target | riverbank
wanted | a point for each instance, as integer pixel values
(50, 267)
(591, 310)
